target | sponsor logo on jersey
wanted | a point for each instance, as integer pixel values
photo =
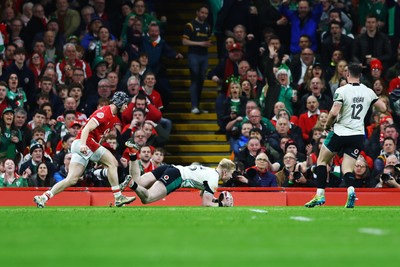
(100, 115)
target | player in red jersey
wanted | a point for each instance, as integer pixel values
(87, 147)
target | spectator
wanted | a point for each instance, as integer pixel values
(260, 175)
(10, 139)
(26, 12)
(234, 105)
(336, 41)
(70, 58)
(20, 118)
(63, 170)
(10, 178)
(392, 177)
(156, 48)
(36, 152)
(238, 143)
(42, 178)
(294, 173)
(158, 157)
(98, 46)
(394, 70)
(231, 14)
(225, 69)
(280, 88)
(248, 155)
(4, 101)
(196, 35)
(26, 78)
(299, 65)
(139, 11)
(308, 119)
(362, 174)
(325, 102)
(364, 51)
(67, 18)
(141, 101)
(269, 16)
(388, 148)
(156, 135)
(304, 21)
(36, 24)
(283, 130)
(86, 16)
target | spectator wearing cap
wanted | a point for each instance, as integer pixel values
(227, 68)
(280, 88)
(375, 73)
(93, 31)
(10, 136)
(373, 44)
(71, 59)
(99, 68)
(36, 152)
(67, 18)
(26, 78)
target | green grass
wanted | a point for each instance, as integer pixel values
(197, 236)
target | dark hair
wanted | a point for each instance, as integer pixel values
(336, 10)
(334, 22)
(41, 112)
(75, 85)
(355, 69)
(139, 110)
(69, 111)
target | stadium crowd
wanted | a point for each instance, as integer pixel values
(280, 63)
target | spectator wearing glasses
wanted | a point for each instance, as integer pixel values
(260, 175)
(294, 173)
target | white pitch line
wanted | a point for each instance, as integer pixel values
(372, 231)
(259, 211)
(301, 218)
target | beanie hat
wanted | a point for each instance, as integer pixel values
(284, 69)
(34, 146)
(290, 142)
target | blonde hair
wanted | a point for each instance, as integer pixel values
(227, 164)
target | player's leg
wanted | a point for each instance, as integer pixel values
(347, 169)
(324, 158)
(167, 179)
(108, 160)
(350, 156)
(75, 170)
(156, 192)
